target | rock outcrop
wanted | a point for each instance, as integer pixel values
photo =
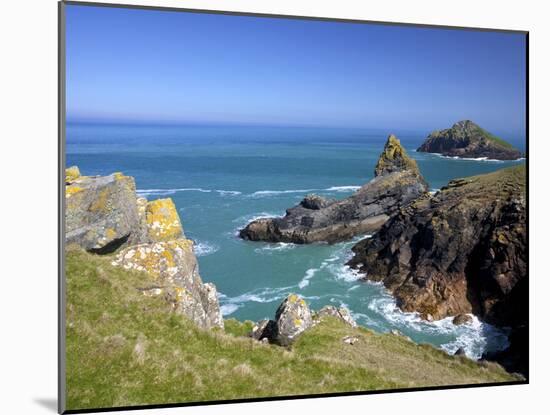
(175, 275)
(462, 250)
(466, 139)
(104, 215)
(461, 319)
(341, 313)
(292, 318)
(397, 182)
(101, 212)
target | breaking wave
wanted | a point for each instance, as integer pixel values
(476, 158)
(261, 193)
(342, 188)
(475, 338)
(332, 189)
(166, 192)
(257, 194)
(276, 247)
(229, 305)
(204, 248)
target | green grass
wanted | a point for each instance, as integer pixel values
(496, 139)
(127, 349)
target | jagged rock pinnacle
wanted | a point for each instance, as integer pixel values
(394, 158)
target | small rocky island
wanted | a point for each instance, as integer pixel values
(397, 182)
(466, 139)
(462, 250)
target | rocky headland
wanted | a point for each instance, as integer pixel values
(466, 139)
(142, 327)
(462, 250)
(103, 215)
(397, 182)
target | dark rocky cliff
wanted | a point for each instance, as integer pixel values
(463, 250)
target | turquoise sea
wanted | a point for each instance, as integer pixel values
(221, 177)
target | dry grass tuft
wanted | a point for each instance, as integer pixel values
(140, 348)
(243, 369)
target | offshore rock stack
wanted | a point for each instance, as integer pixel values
(397, 182)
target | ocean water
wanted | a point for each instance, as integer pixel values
(221, 177)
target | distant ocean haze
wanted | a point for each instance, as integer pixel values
(222, 177)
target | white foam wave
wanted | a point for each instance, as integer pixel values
(261, 295)
(434, 191)
(204, 248)
(263, 193)
(338, 189)
(277, 247)
(342, 188)
(344, 272)
(228, 192)
(227, 309)
(310, 273)
(165, 192)
(475, 158)
(259, 193)
(474, 338)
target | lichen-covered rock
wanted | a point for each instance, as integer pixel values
(341, 313)
(315, 202)
(315, 219)
(291, 319)
(104, 214)
(394, 158)
(163, 221)
(101, 211)
(173, 268)
(141, 233)
(467, 139)
(71, 174)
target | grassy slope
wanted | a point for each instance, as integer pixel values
(495, 139)
(126, 349)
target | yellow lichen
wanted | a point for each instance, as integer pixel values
(101, 202)
(163, 222)
(167, 255)
(110, 233)
(160, 258)
(293, 298)
(71, 190)
(71, 174)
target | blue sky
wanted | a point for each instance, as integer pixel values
(126, 64)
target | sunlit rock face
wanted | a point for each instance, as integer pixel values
(104, 215)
